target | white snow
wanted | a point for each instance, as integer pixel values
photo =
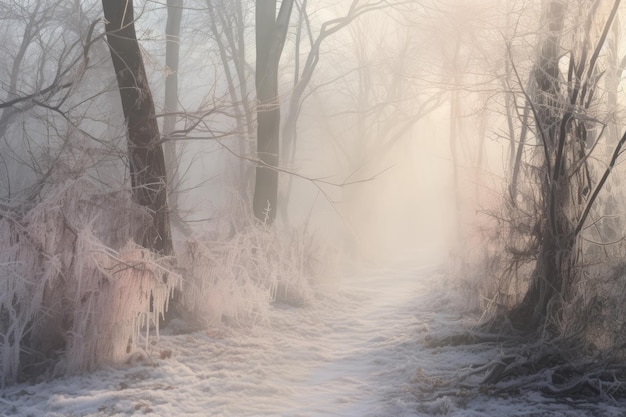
(356, 351)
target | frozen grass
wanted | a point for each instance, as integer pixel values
(581, 354)
(359, 350)
(74, 292)
(237, 277)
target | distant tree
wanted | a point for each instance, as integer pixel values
(171, 148)
(271, 31)
(228, 21)
(304, 73)
(172, 52)
(145, 153)
(37, 92)
(377, 114)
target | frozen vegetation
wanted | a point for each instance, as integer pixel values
(312, 208)
(360, 347)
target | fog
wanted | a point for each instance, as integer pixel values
(218, 166)
(372, 169)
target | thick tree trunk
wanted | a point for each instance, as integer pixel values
(270, 39)
(554, 271)
(565, 176)
(145, 154)
(556, 256)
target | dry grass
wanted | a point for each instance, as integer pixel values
(235, 278)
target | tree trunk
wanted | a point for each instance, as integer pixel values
(172, 149)
(270, 39)
(556, 255)
(145, 154)
(563, 105)
(230, 41)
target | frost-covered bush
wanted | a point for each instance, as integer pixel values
(74, 290)
(478, 259)
(596, 316)
(494, 271)
(235, 278)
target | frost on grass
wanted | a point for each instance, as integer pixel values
(236, 278)
(75, 292)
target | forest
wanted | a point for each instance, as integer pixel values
(211, 168)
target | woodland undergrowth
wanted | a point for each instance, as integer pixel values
(76, 292)
(580, 353)
(235, 277)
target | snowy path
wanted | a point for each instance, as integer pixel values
(343, 356)
(357, 351)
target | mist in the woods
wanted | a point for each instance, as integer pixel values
(311, 207)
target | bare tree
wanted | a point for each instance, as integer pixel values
(172, 149)
(145, 153)
(271, 31)
(304, 73)
(227, 24)
(42, 79)
(564, 122)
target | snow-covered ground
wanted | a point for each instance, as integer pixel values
(358, 350)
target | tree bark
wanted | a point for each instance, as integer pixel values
(565, 175)
(271, 32)
(555, 256)
(173, 150)
(145, 154)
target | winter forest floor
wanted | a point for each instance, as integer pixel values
(358, 350)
